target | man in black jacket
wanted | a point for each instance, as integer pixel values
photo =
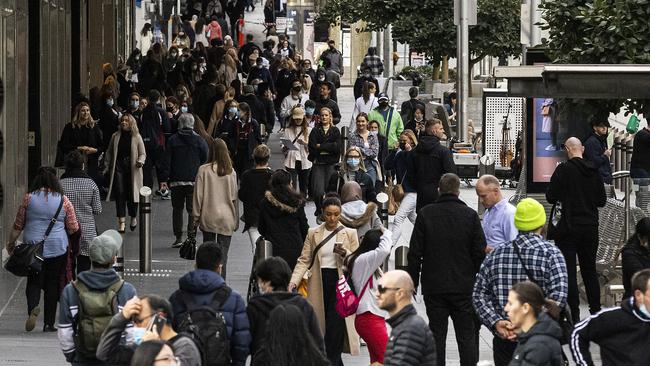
(411, 341)
(429, 161)
(154, 123)
(409, 106)
(577, 187)
(366, 75)
(447, 248)
(326, 101)
(273, 276)
(621, 333)
(597, 152)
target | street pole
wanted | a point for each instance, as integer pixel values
(462, 21)
(535, 35)
(382, 198)
(145, 230)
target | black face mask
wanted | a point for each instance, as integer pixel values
(402, 145)
(296, 88)
(383, 104)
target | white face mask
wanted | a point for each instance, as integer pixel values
(644, 310)
(374, 133)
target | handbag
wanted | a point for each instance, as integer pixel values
(188, 249)
(554, 221)
(564, 320)
(302, 286)
(27, 259)
(347, 302)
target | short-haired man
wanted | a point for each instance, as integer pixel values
(273, 276)
(428, 162)
(253, 185)
(76, 303)
(187, 151)
(143, 314)
(447, 248)
(325, 100)
(204, 284)
(597, 151)
(578, 189)
(390, 121)
(622, 333)
(411, 341)
(510, 263)
(499, 217)
(332, 58)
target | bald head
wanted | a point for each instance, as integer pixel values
(489, 181)
(400, 279)
(574, 147)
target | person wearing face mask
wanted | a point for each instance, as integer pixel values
(636, 254)
(182, 40)
(273, 276)
(135, 106)
(171, 59)
(173, 113)
(373, 129)
(391, 124)
(108, 118)
(318, 81)
(262, 73)
(310, 113)
(295, 98)
(597, 151)
(243, 137)
(332, 58)
(151, 320)
(397, 161)
(364, 76)
(306, 69)
(354, 170)
(622, 333)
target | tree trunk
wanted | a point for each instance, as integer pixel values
(445, 69)
(436, 72)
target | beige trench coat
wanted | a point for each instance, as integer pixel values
(138, 155)
(315, 283)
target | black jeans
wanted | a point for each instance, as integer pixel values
(459, 306)
(224, 243)
(123, 189)
(48, 281)
(582, 242)
(299, 178)
(155, 158)
(182, 198)
(502, 351)
(334, 324)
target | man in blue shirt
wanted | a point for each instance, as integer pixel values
(499, 218)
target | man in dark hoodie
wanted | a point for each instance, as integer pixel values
(622, 333)
(202, 284)
(273, 276)
(321, 78)
(325, 101)
(428, 162)
(577, 187)
(100, 282)
(187, 151)
(366, 75)
(596, 150)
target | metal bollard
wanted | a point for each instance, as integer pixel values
(382, 198)
(263, 132)
(401, 257)
(626, 183)
(145, 230)
(629, 148)
(345, 135)
(617, 156)
(119, 263)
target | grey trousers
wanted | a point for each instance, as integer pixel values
(320, 176)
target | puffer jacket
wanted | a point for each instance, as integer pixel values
(202, 284)
(360, 216)
(410, 342)
(540, 346)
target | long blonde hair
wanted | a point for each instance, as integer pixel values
(132, 124)
(220, 156)
(76, 122)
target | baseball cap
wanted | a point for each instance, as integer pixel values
(104, 247)
(382, 96)
(298, 113)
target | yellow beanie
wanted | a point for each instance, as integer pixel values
(530, 215)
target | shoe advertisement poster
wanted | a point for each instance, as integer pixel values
(547, 145)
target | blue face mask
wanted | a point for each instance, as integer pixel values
(184, 109)
(135, 104)
(138, 333)
(109, 102)
(353, 162)
(310, 111)
(234, 111)
(644, 310)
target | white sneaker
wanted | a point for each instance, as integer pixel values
(551, 148)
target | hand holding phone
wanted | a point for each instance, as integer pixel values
(338, 249)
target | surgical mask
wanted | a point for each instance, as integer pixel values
(321, 78)
(644, 310)
(233, 111)
(138, 333)
(353, 162)
(109, 102)
(184, 109)
(310, 111)
(418, 119)
(135, 104)
(374, 133)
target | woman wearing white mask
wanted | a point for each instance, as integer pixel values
(369, 145)
(353, 170)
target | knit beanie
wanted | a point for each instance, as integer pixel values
(530, 215)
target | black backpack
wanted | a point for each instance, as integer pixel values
(206, 325)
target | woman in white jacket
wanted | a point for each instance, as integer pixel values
(363, 267)
(365, 103)
(296, 161)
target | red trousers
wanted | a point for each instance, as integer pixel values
(372, 328)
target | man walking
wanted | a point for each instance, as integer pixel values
(577, 187)
(499, 217)
(332, 58)
(597, 152)
(447, 247)
(428, 162)
(511, 263)
(326, 101)
(411, 341)
(154, 123)
(187, 152)
(622, 333)
(389, 119)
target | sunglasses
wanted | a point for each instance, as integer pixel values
(382, 290)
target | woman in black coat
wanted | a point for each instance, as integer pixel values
(85, 135)
(324, 152)
(636, 254)
(282, 219)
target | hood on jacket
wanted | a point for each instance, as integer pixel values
(284, 201)
(201, 281)
(545, 326)
(585, 167)
(267, 302)
(427, 143)
(629, 307)
(98, 279)
(357, 213)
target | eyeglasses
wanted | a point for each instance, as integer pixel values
(170, 360)
(382, 290)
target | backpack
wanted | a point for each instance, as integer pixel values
(206, 325)
(96, 308)
(347, 301)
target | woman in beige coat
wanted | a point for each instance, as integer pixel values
(126, 156)
(216, 207)
(323, 276)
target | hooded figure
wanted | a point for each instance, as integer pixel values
(355, 213)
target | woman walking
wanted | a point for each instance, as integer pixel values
(324, 153)
(126, 155)
(369, 146)
(296, 161)
(215, 209)
(321, 262)
(363, 267)
(84, 195)
(282, 219)
(83, 134)
(397, 161)
(353, 170)
(43, 203)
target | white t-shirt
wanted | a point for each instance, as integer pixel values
(326, 255)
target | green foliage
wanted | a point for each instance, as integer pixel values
(599, 32)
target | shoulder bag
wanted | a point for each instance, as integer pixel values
(27, 259)
(302, 287)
